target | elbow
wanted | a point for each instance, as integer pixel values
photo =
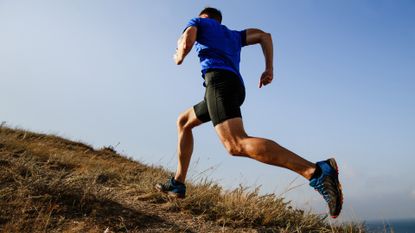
(266, 36)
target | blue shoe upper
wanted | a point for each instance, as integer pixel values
(176, 187)
(318, 183)
(326, 168)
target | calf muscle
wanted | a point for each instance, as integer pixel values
(237, 142)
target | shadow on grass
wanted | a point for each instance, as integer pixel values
(50, 206)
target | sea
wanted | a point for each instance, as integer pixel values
(389, 226)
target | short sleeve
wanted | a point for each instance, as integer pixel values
(192, 23)
(243, 38)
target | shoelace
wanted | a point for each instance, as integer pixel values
(321, 189)
(167, 185)
(170, 185)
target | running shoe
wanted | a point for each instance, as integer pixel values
(328, 185)
(173, 188)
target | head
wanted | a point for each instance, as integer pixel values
(211, 13)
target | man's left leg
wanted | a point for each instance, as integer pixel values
(185, 123)
(187, 120)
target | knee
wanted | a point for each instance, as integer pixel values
(234, 148)
(183, 122)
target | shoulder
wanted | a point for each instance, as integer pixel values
(193, 22)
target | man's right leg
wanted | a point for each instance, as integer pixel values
(185, 123)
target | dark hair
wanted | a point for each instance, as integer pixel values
(212, 13)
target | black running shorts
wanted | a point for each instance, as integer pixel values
(224, 96)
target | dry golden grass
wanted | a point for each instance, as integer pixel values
(50, 184)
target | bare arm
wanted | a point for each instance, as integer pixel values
(257, 36)
(185, 44)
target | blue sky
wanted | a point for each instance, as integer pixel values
(102, 72)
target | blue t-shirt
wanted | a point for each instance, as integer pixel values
(217, 46)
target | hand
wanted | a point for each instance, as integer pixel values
(176, 59)
(266, 78)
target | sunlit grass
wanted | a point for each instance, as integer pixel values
(50, 184)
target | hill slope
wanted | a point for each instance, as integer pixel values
(50, 184)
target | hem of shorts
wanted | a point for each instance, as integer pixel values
(225, 119)
(198, 117)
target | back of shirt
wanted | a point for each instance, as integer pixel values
(217, 46)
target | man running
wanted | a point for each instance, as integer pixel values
(219, 51)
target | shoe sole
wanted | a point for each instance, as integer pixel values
(170, 194)
(333, 163)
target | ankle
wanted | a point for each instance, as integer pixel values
(316, 173)
(179, 179)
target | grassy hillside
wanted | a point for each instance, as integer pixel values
(50, 184)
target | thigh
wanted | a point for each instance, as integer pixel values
(231, 131)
